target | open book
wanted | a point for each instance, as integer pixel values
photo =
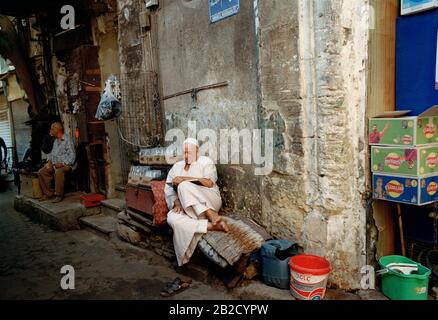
(188, 179)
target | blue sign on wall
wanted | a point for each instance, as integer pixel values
(221, 9)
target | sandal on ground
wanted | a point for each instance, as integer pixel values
(176, 286)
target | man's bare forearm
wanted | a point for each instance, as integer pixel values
(206, 183)
(203, 181)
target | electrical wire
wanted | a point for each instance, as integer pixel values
(129, 142)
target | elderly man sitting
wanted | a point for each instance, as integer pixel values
(60, 161)
(193, 199)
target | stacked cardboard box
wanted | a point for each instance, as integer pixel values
(404, 157)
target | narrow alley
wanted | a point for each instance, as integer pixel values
(31, 257)
(219, 150)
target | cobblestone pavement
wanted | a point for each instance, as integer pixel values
(31, 257)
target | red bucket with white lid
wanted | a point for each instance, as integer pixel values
(308, 276)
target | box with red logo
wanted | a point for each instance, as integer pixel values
(417, 191)
(396, 129)
(411, 161)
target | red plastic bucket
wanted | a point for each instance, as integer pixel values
(308, 277)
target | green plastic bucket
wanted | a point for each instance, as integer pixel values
(398, 286)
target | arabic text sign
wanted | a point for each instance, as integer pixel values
(221, 9)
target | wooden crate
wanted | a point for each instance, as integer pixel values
(140, 198)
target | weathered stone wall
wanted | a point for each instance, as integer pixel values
(193, 53)
(295, 66)
(347, 227)
(313, 57)
(342, 101)
(284, 194)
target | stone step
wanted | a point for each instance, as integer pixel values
(146, 220)
(102, 223)
(125, 219)
(63, 216)
(120, 192)
(112, 207)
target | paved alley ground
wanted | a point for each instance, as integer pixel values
(31, 257)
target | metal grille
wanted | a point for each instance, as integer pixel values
(418, 251)
(140, 124)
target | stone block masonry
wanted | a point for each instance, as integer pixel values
(63, 216)
(137, 231)
(299, 68)
(312, 67)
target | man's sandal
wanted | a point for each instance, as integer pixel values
(176, 286)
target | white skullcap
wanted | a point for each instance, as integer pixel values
(191, 141)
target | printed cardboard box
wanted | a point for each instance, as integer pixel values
(418, 161)
(417, 191)
(394, 129)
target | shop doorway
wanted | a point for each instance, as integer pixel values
(84, 72)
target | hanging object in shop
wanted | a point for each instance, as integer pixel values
(194, 92)
(414, 6)
(221, 9)
(110, 106)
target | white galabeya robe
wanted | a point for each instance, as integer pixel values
(188, 227)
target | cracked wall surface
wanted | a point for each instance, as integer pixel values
(195, 53)
(313, 59)
(297, 67)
